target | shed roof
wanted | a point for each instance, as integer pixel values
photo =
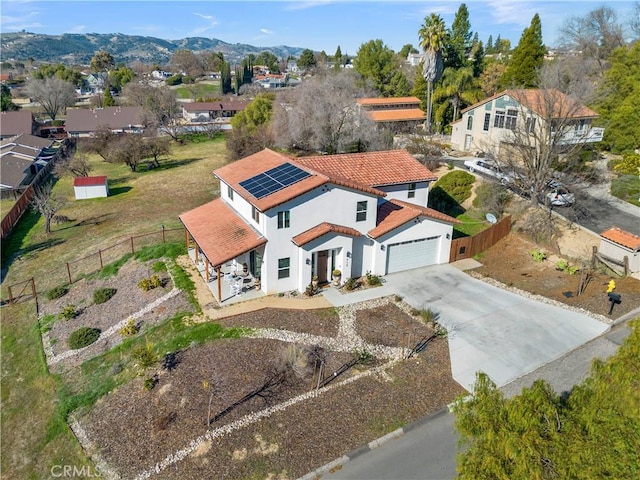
(89, 181)
(623, 238)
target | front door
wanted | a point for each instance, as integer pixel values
(467, 142)
(322, 267)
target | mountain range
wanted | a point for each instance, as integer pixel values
(79, 48)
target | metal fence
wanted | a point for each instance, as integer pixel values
(70, 272)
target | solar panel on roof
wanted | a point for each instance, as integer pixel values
(273, 180)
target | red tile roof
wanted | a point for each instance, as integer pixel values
(395, 213)
(220, 233)
(234, 173)
(622, 237)
(388, 100)
(376, 169)
(322, 229)
(397, 115)
(89, 181)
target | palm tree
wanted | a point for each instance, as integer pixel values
(459, 87)
(432, 36)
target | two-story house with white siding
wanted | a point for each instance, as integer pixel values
(289, 219)
(492, 124)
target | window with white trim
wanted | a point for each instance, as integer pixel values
(361, 211)
(255, 214)
(530, 125)
(230, 192)
(283, 267)
(412, 190)
(469, 122)
(487, 122)
(498, 121)
(511, 120)
(283, 219)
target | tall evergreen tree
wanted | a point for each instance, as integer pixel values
(337, 59)
(459, 39)
(225, 77)
(527, 58)
(490, 44)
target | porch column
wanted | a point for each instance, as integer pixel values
(186, 236)
(219, 285)
(206, 267)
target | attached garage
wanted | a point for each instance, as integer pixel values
(412, 254)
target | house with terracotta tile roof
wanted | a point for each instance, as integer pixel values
(403, 114)
(290, 219)
(621, 248)
(490, 124)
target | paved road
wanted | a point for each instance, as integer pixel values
(595, 209)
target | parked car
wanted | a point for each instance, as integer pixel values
(557, 195)
(488, 168)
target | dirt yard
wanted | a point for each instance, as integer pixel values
(267, 425)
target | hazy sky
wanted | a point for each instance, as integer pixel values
(318, 25)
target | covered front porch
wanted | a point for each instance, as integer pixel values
(226, 251)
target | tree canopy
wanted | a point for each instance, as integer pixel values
(593, 432)
(307, 59)
(53, 94)
(527, 59)
(378, 63)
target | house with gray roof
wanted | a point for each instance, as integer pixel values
(84, 122)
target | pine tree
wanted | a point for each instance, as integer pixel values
(337, 59)
(107, 98)
(459, 41)
(527, 58)
(490, 44)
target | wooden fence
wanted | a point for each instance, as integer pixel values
(71, 272)
(466, 247)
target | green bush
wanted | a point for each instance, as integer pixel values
(373, 280)
(492, 198)
(57, 292)
(145, 355)
(83, 337)
(564, 266)
(130, 329)
(147, 284)
(627, 188)
(149, 383)
(69, 312)
(351, 284)
(538, 255)
(101, 295)
(451, 190)
(159, 267)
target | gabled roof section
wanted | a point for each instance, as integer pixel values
(539, 101)
(388, 101)
(14, 170)
(395, 213)
(389, 167)
(265, 160)
(322, 229)
(623, 238)
(89, 181)
(14, 123)
(116, 118)
(219, 232)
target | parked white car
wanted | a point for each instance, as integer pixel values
(488, 168)
(558, 195)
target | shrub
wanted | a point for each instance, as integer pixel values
(451, 190)
(147, 284)
(336, 273)
(629, 165)
(492, 198)
(564, 266)
(57, 292)
(351, 284)
(159, 267)
(538, 255)
(149, 383)
(145, 355)
(101, 295)
(310, 291)
(428, 315)
(130, 329)
(373, 280)
(69, 312)
(83, 337)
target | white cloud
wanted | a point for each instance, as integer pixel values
(78, 29)
(518, 13)
(266, 32)
(305, 5)
(206, 17)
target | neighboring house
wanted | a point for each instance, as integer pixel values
(22, 157)
(616, 245)
(83, 122)
(289, 219)
(271, 80)
(15, 123)
(489, 125)
(292, 66)
(403, 113)
(90, 187)
(414, 59)
(95, 82)
(203, 112)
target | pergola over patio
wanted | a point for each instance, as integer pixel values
(219, 235)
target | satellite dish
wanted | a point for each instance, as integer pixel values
(491, 218)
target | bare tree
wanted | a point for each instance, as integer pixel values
(161, 110)
(100, 142)
(634, 21)
(156, 147)
(53, 94)
(76, 165)
(47, 203)
(595, 35)
(330, 123)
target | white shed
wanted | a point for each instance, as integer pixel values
(90, 187)
(616, 244)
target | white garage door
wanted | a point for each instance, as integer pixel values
(412, 254)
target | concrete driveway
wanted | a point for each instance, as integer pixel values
(492, 330)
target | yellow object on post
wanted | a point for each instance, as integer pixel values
(612, 286)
